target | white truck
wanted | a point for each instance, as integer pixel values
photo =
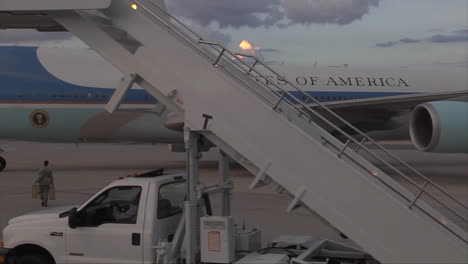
(126, 222)
(120, 224)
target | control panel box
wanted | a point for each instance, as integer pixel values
(217, 239)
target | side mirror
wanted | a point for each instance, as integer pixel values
(73, 218)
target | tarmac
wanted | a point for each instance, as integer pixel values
(82, 170)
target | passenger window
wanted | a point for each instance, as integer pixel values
(118, 205)
(171, 198)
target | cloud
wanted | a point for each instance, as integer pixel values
(409, 40)
(31, 37)
(448, 38)
(228, 13)
(340, 12)
(266, 13)
(387, 44)
(454, 37)
(436, 30)
(211, 34)
(269, 50)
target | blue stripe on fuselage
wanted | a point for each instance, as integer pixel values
(340, 96)
(24, 79)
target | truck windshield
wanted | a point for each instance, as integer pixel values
(171, 198)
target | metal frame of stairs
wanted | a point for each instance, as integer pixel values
(308, 107)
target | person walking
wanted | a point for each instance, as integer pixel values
(45, 180)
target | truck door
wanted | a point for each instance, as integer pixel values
(110, 228)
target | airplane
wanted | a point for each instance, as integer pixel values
(59, 94)
(43, 105)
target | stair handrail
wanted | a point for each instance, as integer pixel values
(366, 137)
(349, 137)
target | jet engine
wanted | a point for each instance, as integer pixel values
(440, 126)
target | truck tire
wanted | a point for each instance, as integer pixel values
(2, 163)
(33, 258)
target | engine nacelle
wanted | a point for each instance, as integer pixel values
(440, 126)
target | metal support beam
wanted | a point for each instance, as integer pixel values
(192, 217)
(297, 198)
(178, 238)
(189, 239)
(224, 178)
(217, 188)
(259, 179)
(120, 92)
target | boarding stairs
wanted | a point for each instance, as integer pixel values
(280, 133)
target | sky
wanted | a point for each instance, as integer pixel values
(367, 33)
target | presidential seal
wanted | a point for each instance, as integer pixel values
(39, 118)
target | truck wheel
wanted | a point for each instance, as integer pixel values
(33, 259)
(2, 163)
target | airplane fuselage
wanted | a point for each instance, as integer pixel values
(58, 95)
(36, 105)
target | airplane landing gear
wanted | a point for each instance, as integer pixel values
(2, 163)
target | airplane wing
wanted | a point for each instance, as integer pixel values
(384, 108)
(395, 103)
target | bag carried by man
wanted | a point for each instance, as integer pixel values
(35, 192)
(52, 193)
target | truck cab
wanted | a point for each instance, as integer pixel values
(119, 224)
